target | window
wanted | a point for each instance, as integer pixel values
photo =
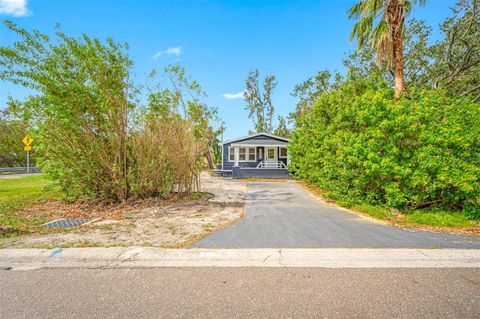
(251, 154)
(283, 152)
(245, 154)
(242, 155)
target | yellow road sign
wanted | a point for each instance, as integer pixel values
(27, 148)
(27, 140)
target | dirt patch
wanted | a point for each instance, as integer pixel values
(153, 222)
(226, 190)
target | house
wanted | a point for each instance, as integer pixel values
(256, 156)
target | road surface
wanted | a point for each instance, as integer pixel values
(240, 293)
(16, 175)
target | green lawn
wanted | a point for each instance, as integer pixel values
(439, 219)
(435, 218)
(19, 192)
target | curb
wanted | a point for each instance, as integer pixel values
(148, 257)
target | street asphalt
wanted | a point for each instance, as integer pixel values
(240, 293)
(285, 215)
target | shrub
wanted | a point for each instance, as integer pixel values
(359, 144)
(11, 147)
(166, 157)
(94, 137)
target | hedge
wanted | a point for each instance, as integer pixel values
(360, 145)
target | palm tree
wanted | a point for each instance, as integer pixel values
(380, 23)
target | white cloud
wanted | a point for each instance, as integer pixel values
(14, 8)
(176, 51)
(233, 96)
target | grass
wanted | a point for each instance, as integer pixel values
(410, 218)
(375, 211)
(208, 226)
(198, 195)
(434, 218)
(438, 219)
(17, 193)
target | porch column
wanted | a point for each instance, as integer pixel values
(236, 155)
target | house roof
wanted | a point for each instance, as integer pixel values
(269, 142)
(255, 135)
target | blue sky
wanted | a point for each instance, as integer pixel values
(218, 42)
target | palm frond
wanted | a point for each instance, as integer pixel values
(381, 40)
(355, 12)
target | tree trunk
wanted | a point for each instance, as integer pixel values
(208, 156)
(399, 67)
(395, 13)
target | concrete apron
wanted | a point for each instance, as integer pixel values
(148, 257)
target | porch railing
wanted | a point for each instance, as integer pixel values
(271, 164)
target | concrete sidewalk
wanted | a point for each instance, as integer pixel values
(148, 257)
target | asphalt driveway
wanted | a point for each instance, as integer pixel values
(285, 215)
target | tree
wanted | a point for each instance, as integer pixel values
(380, 23)
(418, 53)
(12, 131)
(282, 128)
(81, 107)
(456, 66)
(310, 90)
(451, 64)
(259, 104)
(203, 119)
(96, 138)
(417, 58)
(176, 92)
(360, 146)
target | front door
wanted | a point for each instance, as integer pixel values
(271, 154)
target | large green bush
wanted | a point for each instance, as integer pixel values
(361, 146)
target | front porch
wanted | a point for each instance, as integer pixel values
(247, 172)
(264, 160)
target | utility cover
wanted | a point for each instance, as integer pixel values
(66, 223)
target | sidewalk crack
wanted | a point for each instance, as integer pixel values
(281, 261)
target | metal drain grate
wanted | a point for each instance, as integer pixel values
(66, 223)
